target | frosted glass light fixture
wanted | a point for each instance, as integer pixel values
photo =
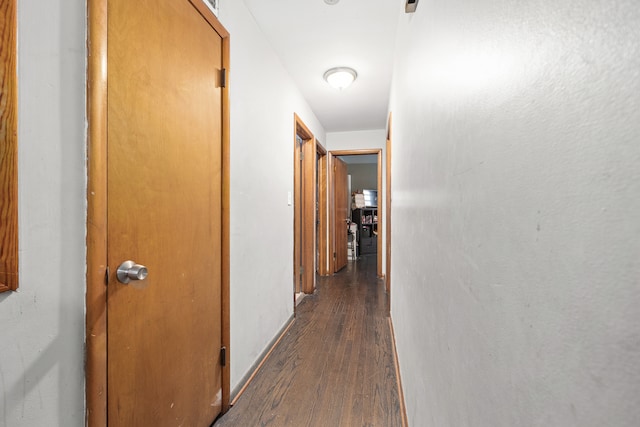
(340, 77)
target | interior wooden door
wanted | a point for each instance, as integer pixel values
(341, 212)
(164, 212)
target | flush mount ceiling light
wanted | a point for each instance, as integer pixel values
(331, 2)
(340, 77)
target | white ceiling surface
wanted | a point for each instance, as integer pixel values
(311, 37)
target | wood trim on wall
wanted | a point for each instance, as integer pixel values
(296, 206)
(355, 152)
(225, 280)
(387, 270)
(8, 148)
(309, 217)
(322, 209)
(396, 362)
(331, 193)
(213, 21)
(304, 207)
(381, 217)
(226, 214)
(96, 294)
(262, 359)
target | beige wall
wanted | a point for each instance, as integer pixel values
(363, 176)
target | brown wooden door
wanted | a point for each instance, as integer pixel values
(341, 212)
(164, 211)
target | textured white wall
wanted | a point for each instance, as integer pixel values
(516, 232)
(42, 325)
(263, 99)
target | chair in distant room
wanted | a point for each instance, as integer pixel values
(352, 240)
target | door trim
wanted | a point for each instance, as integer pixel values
(321, 236)
(96, 292)
(304, 199)
(332, 219)
(387, 271)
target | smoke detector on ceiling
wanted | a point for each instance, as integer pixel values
(410, 6)
(331, 2)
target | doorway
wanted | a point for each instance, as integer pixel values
(158, 331)
(310, 199)
(337, 230)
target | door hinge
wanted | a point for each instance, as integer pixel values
(301, 270)
(223, 356)
(335, 255)
(301, 155)
(223, 77)
(106, 277)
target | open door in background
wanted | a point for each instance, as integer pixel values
(341, 212)
(156, 344)
(337, 219)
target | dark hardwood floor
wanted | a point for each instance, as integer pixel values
(334, 366)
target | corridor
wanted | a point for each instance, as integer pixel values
(335, 365)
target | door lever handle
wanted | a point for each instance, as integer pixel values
(129, 270)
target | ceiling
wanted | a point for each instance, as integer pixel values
(311, 37)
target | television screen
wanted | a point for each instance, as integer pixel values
(370, 198)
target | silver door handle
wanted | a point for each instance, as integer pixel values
(129, 270)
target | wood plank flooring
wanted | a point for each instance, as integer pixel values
(335, 365)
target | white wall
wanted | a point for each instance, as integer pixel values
(356, 140)
(42, 325)
(516, 232)
(363, 176)
(263, 100)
